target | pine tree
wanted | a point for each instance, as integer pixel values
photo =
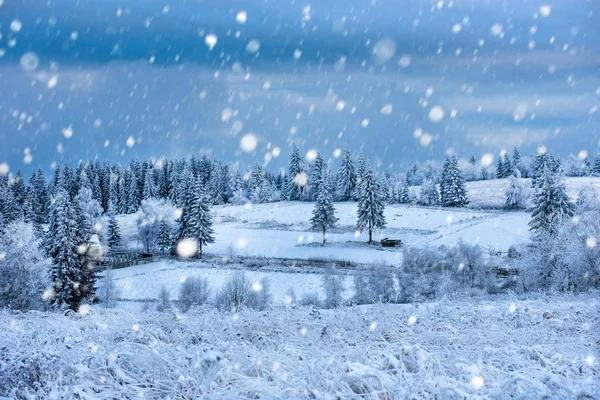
(257, 176)
(596, 167)
(315, 177)
(62, 243)
(164, 240)
(541, 162)
(429, 194)
(516, 158)
(324, 211)
(500, 171)
(551, 203)
(370, 204)
(186, 197)
(296, 176)
(453, 190)
(404, 195)
(346, 179)
(200, 219)
(516, 196)
(472, 161)
(132, 194)
(9, 207)
(508, 169)
(18, 188)
(150, 189)
(114, 232)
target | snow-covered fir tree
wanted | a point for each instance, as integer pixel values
(200, 220)
(551, 203)
(90, 207)
(404, 194)
(360, 172)
(150, 189)
(516, 194)
(132, 199)
(453, 191)
(324, 212)
(315, 177)
(296, 176)
(9, 207)
(346, 178)
(596, 167)
(18, 188)
(164, 240)
(257, 176)
(62, 245)
(429, 196)
(113, 231)
(508, 168)
(500, 168)
(370, 204)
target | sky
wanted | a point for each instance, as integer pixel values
(401, 80)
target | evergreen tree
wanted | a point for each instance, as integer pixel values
(516, 158)
(150, 189)
(200, 220)
(257, 176)
(429, 194)
(164, 240)
(185, 226)
(551, 203)
(114, 232)
(370, 204)
(346, 179)
(235, 183)
(500, 171)
(316, 176)
(324, 211)
(404, 195)
(453, 190)
(62, 243)
(296, 176)
(9, 207)
(508, 169)
(596, 167)
(540, 162)
(132, 194)
(360, 173)
(18, 188)
(472, 161)
(516, 195)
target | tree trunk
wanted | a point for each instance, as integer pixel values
(199, 253)
(324, 235)
(370, 235)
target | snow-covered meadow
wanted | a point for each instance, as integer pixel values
(505, 348)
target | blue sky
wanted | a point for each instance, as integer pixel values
(325, 74)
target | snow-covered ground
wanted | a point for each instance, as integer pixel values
(283, 229)
(506, 348)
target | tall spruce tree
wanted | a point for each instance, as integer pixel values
(316, 176)
(164, 240)
(200, 220)
(453, 190)
(324, 212)
(596, 167)
(62, 245)
(346, 178)
(551, 203)
(296, 176)
(132, 194)
(370, 204)
(114, 232)
(150, 189)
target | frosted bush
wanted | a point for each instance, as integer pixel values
(310, 299)
(194, 292)
(333, 286)
(164, 300)
(239, 291)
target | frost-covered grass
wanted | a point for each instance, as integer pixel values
(544, 348)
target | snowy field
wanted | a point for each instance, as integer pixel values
(282, 229)
(507, 348)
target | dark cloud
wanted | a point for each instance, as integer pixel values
(142, 70)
